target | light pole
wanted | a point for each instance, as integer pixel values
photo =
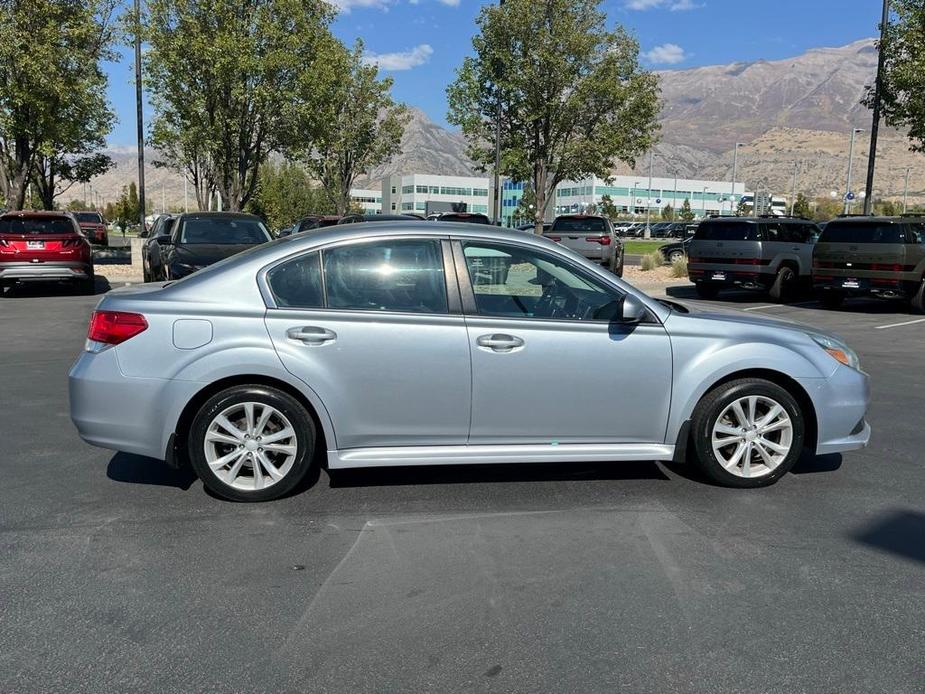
(906, 190)
(497, 190)
(875, 123)
(854, 131)
(735, 163)
(649, 194)
(140, 118)
(793, 192)
(703, 199)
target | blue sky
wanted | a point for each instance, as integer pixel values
(421, 42)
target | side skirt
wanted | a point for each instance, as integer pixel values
(488, 454)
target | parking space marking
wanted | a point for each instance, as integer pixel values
(897, 325)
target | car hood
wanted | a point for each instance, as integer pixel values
(202, 254)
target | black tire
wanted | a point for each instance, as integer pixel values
(87, 287)
(918, 299)
(291, 408)
(784, 284)
(712, 406)
(831, 300)
(707, 291)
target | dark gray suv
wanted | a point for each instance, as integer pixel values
(772, 254)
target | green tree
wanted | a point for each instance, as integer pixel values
(225, 77)
(354, 121)
(801, 207)
(686, 214)
(608, 209)
(53, 107)
(903, 49)
(668, 213)
(572, 97)
(126, 210)
(285, 193)
(526, 206)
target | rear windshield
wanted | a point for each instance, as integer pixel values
(727, 231)
(89, 217)
(472, 218)
(583, 224)
(863, 232)
(36, 225)
(223, 230)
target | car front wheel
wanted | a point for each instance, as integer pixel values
(747, 433)
(251, 443)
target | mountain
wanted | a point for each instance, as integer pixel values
(784, 112)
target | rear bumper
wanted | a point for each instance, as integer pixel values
(841, 402)
(47, 271)
(864, 286)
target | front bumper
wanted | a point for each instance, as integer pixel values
(47, 271)
(841, 403)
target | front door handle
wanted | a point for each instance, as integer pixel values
(311, 335)
(500, 342)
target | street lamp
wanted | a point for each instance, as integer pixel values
(854, 132)
(649, 194)
(735, 162)
(906, 190)
(703, 199)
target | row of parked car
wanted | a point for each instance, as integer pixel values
(882, 257)
(658, 230)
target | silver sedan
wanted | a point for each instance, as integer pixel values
(435, 344)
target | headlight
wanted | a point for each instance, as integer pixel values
(837, 349)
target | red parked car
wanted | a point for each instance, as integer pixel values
(44, 246)
(93, 226)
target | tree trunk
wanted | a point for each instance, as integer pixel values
(539, 190)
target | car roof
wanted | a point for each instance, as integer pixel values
(576, 215)
(880, 219)
(200, 215)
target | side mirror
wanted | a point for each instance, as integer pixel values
(163, 240)
(632, 310)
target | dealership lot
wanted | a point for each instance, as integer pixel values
(118, 573)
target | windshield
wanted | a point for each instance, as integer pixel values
(727, 231)
(89, 217)
(863, 232)
(36, 225)
(583, 224)
(223, 231)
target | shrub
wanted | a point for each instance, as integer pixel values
(679, 268)
(651, 261)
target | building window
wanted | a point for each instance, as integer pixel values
(393, 190)
(420, 206)
(406, 190)
(407, 206)
(452, 190)
(480, 192)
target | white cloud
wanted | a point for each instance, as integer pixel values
(451, 3)
(665, 54)
(673, 5)
(346, 5)
(403, 60)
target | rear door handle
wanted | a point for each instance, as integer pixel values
(500, 342)
(311, 335)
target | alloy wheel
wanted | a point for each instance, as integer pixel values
(752, 436)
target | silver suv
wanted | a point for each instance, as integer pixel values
(432, 343)
(590, 235)
(770, 254)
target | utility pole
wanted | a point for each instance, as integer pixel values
(793, 191)
(906, 190)
(649, 193)
(735, 164)
(875, 124)
(140, 118)
(854, 131)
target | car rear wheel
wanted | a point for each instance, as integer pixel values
(747, 433)
(707, 291)
(675, 256)
(87, 287)
(251, 443)
(784, 284)
(918, 299)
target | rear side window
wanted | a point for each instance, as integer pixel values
(585, 225)
(918, 232)
(863, 232)
(89, 217)
(401, 275)
(297, 283)
(36, 225)
(727, 231)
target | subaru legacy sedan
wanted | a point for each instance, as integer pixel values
(425, 343)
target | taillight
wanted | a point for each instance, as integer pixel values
(115, 327)
(880, 267)
(747, 261)
(694, 259)
(822, 263)
(603, 240)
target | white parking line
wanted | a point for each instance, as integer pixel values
(896, 325)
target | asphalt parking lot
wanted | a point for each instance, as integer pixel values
(119, 574)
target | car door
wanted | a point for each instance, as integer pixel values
(550, 364)
(375, 329)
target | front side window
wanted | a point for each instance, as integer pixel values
(514, 282)
(393, 275)
(297, 282)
